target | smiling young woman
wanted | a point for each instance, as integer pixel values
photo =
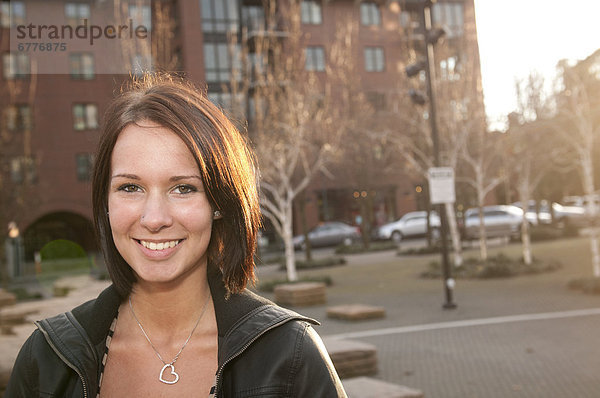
(176, 211)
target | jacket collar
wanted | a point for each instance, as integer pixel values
(241, 317)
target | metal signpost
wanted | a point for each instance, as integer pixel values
(441, 191)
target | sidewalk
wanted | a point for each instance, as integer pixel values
(480, 349)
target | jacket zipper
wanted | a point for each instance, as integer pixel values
(65, 360)
(248, 344)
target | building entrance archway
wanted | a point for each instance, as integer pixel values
(59, 225)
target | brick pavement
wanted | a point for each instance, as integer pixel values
(537, 358)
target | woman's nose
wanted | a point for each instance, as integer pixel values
(156, 215)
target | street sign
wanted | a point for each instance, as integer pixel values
(441, 185)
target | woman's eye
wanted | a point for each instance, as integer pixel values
(129, 188)
(184, 189)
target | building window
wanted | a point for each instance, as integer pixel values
(84, 162)
(314, 59)
(18, 118)
(23, 169)
(311, 12)
(85, 116)
(12, 13)
(410, 20)
(141, 15)
(76, 13)
(218, 61)
(374, 59)
(450, 17)
(253, 18)
(81, 66)
(219, 16)
(377, 100)
(369, 14)
(449, 69)
(15, 66)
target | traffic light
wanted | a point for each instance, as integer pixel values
(417, 97)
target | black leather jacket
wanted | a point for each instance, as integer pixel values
(264, 351)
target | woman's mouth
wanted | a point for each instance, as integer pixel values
(159, 245)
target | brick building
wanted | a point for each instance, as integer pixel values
(50, 120)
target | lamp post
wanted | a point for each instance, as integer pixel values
(428, 64)
(13, 252)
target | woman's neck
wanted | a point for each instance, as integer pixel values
(171, 307)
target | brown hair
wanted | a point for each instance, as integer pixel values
(226, 164)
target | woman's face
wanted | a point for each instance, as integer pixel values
(159, 213)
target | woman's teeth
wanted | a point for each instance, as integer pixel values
(159, 246)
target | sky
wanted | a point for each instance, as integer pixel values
(519, 36)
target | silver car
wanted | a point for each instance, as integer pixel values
(499, 221)
(410, 225)
(329, 233)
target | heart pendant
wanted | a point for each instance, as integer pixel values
(172, 371)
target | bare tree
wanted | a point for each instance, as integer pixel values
(578, 125)
(482, 157)
(294, 125)
(528, 144)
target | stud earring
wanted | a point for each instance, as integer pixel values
(217, 214)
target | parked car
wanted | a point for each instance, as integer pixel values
(570, 216)
(562, 216)
(541, 217)
(331, 233)
(580, 201)
(499, 221)
(410, 225)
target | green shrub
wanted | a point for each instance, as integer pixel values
(419, 251)
(61, 249)
(317, 263)
(360, 248)
(499, 266)
(23, 294)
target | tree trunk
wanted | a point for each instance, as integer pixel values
(290, 260)
(483, 254)
(480, 202)
(454, 234)
(365, 227)
(526, 239)
(307, 248)
(524, 195)
(595, 251)
(592, 208)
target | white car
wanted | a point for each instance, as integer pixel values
(410, 225)
(563, 215)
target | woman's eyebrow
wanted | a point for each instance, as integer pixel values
(129, 176)
(179, 178)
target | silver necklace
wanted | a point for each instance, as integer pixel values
(170, 365)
